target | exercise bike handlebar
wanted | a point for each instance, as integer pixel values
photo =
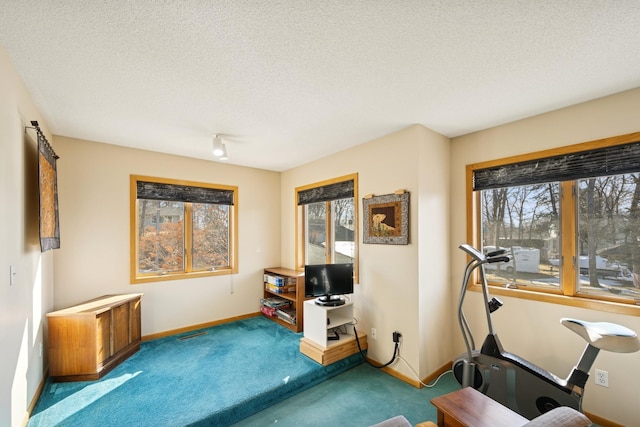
(498, 259)
(475, 254)
(496, 253)
(490, 258)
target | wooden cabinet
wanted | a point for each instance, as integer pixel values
(88, 340)
(294, 285)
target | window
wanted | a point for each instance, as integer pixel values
(569, 218)
(327, 223)
(181, 229)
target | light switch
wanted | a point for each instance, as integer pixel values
(12, 275)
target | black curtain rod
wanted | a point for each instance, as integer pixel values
(34, 125)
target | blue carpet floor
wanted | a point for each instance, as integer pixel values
(218, 378)
(359, 397)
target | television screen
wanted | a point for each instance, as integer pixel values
(326, 280)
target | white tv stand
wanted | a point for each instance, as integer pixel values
(318, 321)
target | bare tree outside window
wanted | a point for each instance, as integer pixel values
(161, 236)
(608, 234)
(525, 221)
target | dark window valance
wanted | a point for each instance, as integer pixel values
(183, 193)
(605, 161)
(325, 193)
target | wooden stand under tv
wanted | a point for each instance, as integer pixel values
(318, 321)
(88, 340)
(297, 298)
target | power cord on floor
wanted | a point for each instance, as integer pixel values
(433, 384)
(375, 365)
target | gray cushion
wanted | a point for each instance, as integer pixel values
(562, 416)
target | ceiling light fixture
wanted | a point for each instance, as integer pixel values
(218, 147)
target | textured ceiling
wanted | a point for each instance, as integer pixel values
(289, 81)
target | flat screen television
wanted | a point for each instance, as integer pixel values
(327, 282)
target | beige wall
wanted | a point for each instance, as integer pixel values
(94, 222)
(23, 304)
(529, 328)
(402, 287)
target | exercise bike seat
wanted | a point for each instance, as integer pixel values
(604, 335)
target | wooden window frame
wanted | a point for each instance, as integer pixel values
(188, 228)
(567, 294)
(300, 221)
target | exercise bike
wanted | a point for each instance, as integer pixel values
(515, 382)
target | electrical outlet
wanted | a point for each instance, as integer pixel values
(374, 334)
(602, 378)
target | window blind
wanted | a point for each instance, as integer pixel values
(338, 190)
(183, 193)
(614, 160)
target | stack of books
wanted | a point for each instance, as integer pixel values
(270, 306)
(278, 284)
(274, 280)
(279, 289)
(286, 314)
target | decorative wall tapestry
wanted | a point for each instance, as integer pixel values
(48, 189)
(386, 219)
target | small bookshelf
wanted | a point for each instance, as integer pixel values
(288, 286)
